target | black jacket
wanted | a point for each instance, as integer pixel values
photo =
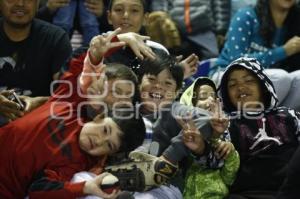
(264, 158)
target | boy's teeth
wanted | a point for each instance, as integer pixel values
(243, 95)
(155, 95)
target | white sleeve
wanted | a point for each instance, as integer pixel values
(84, 176)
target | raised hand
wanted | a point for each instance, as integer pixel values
(223, 149)
(190, 65)
(137, 43)
(219, 120)
(192, 137)
(98, 89)
(292, 46)
(101, 44)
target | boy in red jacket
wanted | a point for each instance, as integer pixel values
(41, 151)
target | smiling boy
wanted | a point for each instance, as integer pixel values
(42, 150)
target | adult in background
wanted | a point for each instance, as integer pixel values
(269, 33)
(202, 25)
(32, 51)
(48, 9)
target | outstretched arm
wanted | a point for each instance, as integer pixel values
(93, 63)
(51, 184)
(103, 45)
(196, 129)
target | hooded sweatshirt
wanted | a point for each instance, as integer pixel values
(210, 160)
(265, 139)
(187, 96)
(208, 177)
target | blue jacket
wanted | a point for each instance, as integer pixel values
(244, 40)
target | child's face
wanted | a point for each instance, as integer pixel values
(120, 92)
(100, 137)
(205, 96)
(117, 92)
(244, 89)
(127, 14)
(157, 91)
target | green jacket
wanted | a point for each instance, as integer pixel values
(201, 181)
(205, 183)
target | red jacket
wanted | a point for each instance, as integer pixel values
(40, 151)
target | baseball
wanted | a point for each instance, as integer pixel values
(110, 183)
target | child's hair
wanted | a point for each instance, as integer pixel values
(163, 61)
(145, 4)
(132, 126)
(120, 71)
(267, 24)
(200, 82)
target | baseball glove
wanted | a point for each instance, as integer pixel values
(162, 29)
(142, 172)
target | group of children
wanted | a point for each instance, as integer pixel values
(242, 153)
